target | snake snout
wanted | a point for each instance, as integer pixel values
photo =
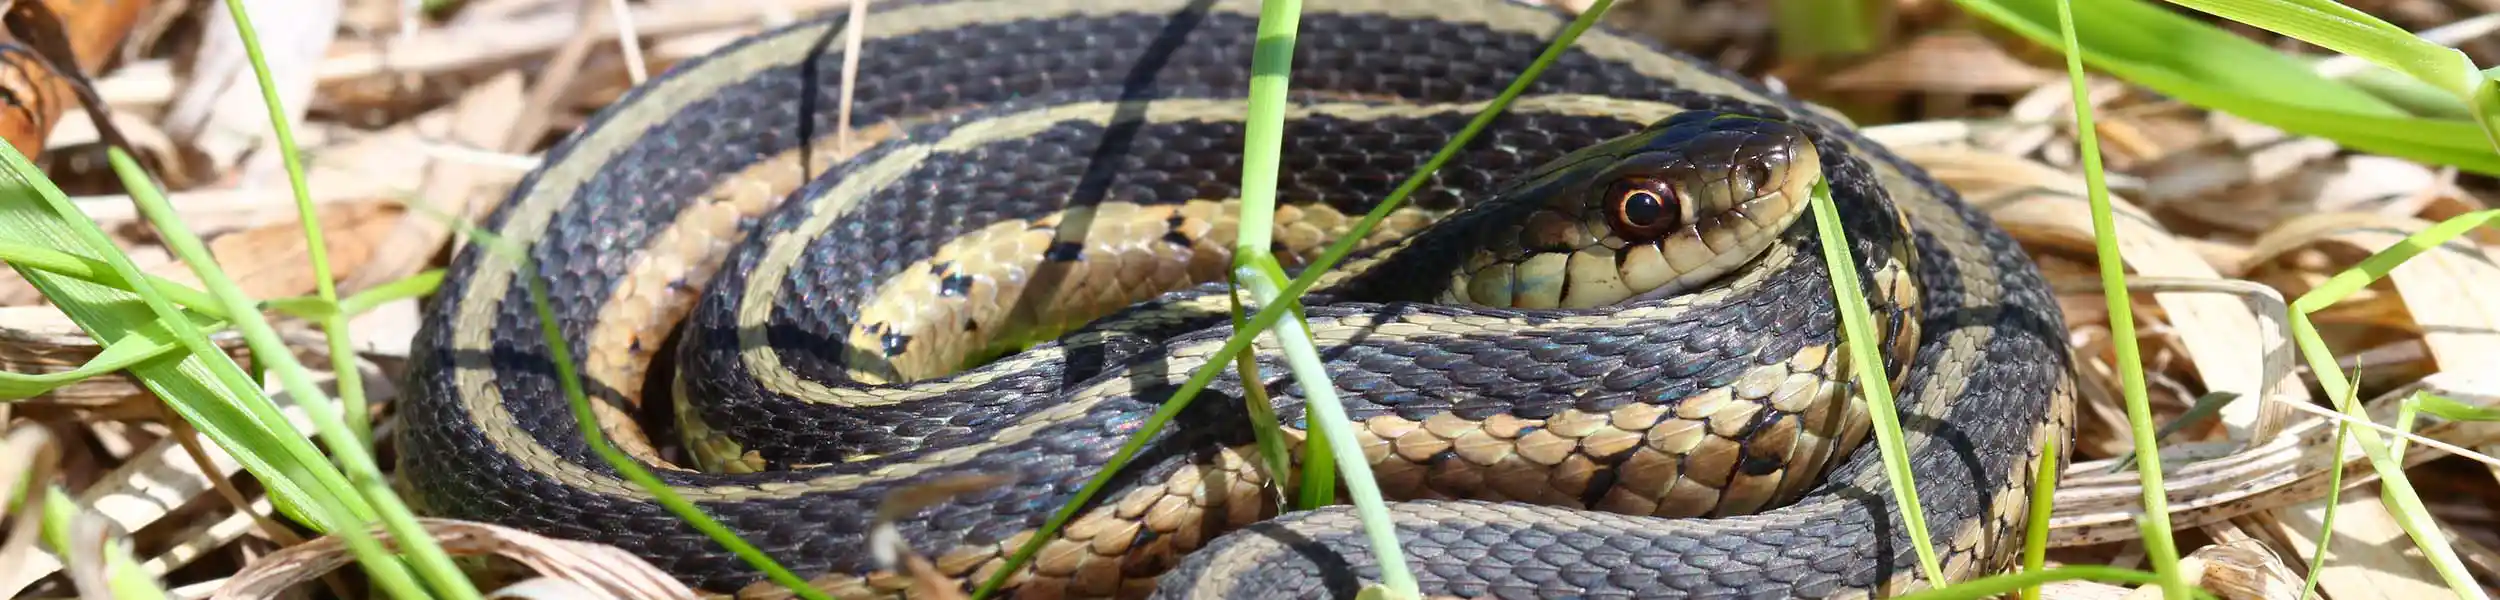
(1674, 206)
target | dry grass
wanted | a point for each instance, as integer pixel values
(2203, 197)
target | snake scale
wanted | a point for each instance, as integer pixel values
(1596, 356)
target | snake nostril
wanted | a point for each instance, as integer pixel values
(1757, 177)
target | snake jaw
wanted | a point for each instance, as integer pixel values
(1664, 211)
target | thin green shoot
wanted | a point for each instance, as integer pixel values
(2205, 407)
(2326, 524)
(1269, 314)
(2158, 545)
(334, 327)
(1274, 457)
(2450, 409)
(2411, 513)
(268, 349)
(101, 273)
(1271, 72)
(560, 354)
(111, 359)
(1326, 413)
(202, 385)
(2036, 522)
(1866, 366)
(404, 288)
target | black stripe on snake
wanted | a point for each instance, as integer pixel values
(1596, 357)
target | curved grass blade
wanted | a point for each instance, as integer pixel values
(202, 385)
(1269, 314)
(2043, 503)
(1271, 73)
(2394, 484)
(354, 460)
(149, 342)
(2159, 547)
(561, 355)
(2204, 66)
(317, 252)
(1867, 369)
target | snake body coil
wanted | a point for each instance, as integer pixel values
(1597, 356)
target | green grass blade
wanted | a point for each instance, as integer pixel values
(1269, 314)
(2158, 545)
(149, 342)
(2345, 283)
(201, 386)
(2450, 409)
(1266, 431)
(569, 380)
(267, 349)
(333, 327)
(2407, 506)
(310, 307)
(2205, 406)
(2355, 33)
(562, 356)
(2345, 30)
(100, 272)
(1271, 72)
(1326, 413)
(2043, 503)
(2326, 524)
(2149, 45)
(404, 288)
(1867, 368)
(2127, 37)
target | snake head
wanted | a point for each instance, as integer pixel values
(1676, 205)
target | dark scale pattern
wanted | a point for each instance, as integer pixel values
(1828, 544)
(1844, 537)
(952, 194)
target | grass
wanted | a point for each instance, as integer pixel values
(2158, 544)
(157, 330)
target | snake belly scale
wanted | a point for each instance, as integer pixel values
(1596, 356)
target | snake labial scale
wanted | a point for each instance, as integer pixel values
(1596, 356)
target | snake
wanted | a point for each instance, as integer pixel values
(1597, 354)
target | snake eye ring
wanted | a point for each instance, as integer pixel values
(1644, 209)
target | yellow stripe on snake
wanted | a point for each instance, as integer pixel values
(1597, 356)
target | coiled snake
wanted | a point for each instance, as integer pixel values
(1597, 356)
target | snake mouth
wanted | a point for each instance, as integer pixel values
(1665, 210)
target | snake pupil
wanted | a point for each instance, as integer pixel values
(1643, 209)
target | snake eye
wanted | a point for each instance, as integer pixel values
(1643, 209)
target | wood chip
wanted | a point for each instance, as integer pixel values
(219, 109)
(1953, 62)
(607, 570)
(2047, 207)
(2451, 294)
(483, 118)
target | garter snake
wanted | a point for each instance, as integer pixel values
(1596, 356)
